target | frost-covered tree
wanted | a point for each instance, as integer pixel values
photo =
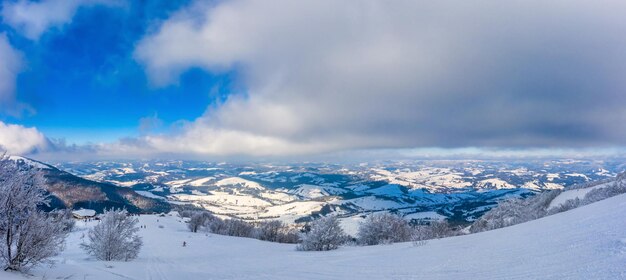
(384, 228)
(65, 217)
(114, 238)
(325, 234)
(599, 193)
(616, 188)
(230, 227)
(566, 206)
(269, 230)
(433, 230)
(515, 211)
(199, 219)
(28, 235)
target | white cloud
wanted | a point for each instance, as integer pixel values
(12, 64)
(20, 140)
(328, 75)
(33, 18)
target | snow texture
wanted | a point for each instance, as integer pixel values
(584, 243)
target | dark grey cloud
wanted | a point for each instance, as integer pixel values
(325, 76)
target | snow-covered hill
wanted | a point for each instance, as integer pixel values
(460, 190)
(574, 194)
(586, 243)
(30, 162)
(307, 191)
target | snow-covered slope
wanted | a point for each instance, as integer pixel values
(236, 181)
(573, 194)
(30, 162)
(495, 183)
(314, 191)
(586, 243)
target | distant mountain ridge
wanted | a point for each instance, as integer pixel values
(69, 191)
(458, 190)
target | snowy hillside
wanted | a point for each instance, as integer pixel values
(460, 190)
(585, 243)
(574, 194)
(30, 162)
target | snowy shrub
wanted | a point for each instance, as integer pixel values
(269, 230)
(325, 234)
(383, 229)
(27, 235)
(515, 211)
(65, 217)
(216, 226)
(231, 227)
(276, 231)
(290, 236)
(199, 219)
(566, 206)
(114, 238)
(440, 229)
(616, 188)
(434, 230)
(236, 227)
(184, 211)
(419, 242)
(612, 189)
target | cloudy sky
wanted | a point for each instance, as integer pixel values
(282, 78)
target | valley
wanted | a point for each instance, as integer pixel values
(458, 190)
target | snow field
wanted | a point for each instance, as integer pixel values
(584, 243)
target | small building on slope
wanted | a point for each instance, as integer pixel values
(84, 214)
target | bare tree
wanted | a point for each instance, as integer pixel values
(384, 228)
(326, 234)
(29, 236)
(114, 238)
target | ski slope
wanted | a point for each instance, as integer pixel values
(585, 243)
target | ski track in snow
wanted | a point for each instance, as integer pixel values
(585, 243)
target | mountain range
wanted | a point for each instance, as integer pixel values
(69, 191)
(459, 190)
